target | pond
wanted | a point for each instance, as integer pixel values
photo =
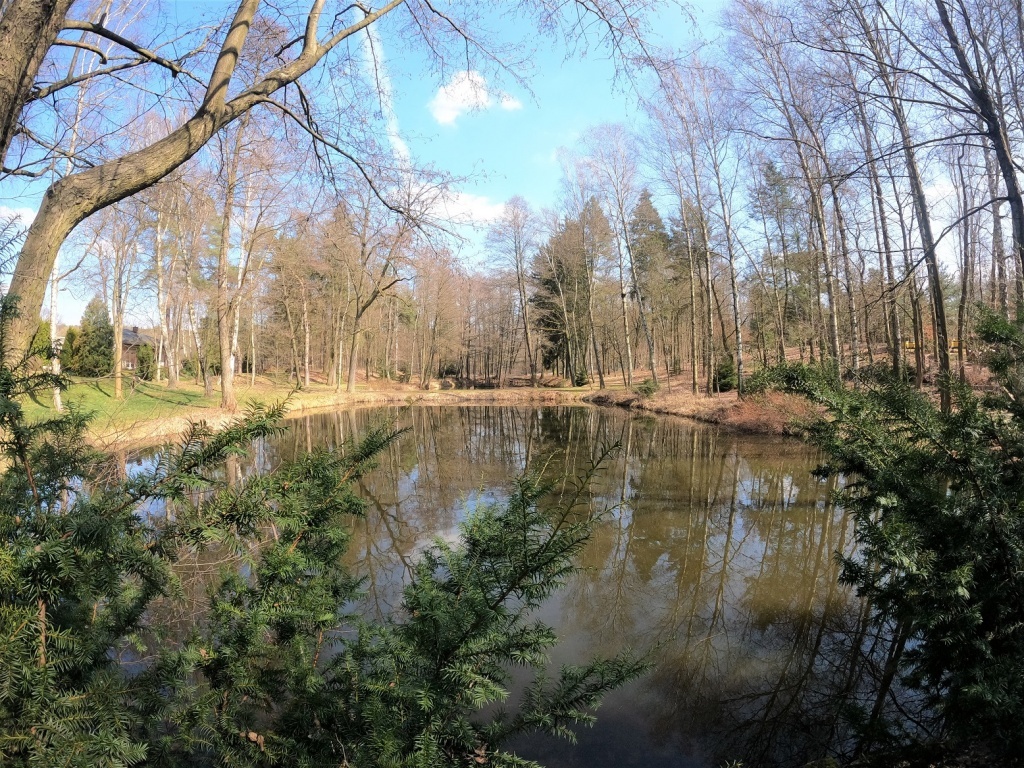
(716, 554)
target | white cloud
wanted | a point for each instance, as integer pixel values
(469, 209)
(467, 91)
(24, 215)
(510, 103)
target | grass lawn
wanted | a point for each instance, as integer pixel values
(142, 402)
(147, 401)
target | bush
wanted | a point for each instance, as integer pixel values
(190, 367)
(278, 670)
(647, 388)
(68, 349)
(938, 504)
(147, 362)
(448, 370)
(42, 344)
(725, 375)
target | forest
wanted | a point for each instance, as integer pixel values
(822, 198)
(819, 181)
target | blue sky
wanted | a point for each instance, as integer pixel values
(509, 142)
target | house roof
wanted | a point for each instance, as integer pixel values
(132, 338)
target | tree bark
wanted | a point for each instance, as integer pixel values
(920, 205)
(27, 29)
(225, 304)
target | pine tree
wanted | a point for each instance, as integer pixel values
(649, 238)
(938, 504)
(280, 670)
(94, 346)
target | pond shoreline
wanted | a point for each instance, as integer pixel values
(768, 415)
(149, 431)
(772, 413)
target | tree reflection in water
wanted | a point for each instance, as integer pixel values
(717, 554)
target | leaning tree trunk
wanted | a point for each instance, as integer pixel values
(74, 198)
(995, 129)
(920, 201)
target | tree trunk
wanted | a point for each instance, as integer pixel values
(844, 248)
(118, 356)
(920, 205)
(693, 309)
(886, 271)
(731, 253)
(524, 304)
(225, 303)
(294, 342)
(28, 29)
(624, 297)
(648, 336)
(996, 131)
(350, 385)
(74, 198)
(55, 338)
(998, 247)
(305, 333)
(252, 348)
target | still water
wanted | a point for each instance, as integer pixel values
(716, 554)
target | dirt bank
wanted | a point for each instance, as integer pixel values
(769, 414)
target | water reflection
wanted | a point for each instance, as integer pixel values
(717, 553)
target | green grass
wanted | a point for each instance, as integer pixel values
(143, 401)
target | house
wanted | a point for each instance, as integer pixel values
(131, 340)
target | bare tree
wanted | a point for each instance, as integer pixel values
(513, 237)
(116, 252)
(226, 96)
(611, 155)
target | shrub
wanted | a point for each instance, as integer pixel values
(42, 344)
(938, 504)
(68, 349)
(725, 375)
(147, 362)
(279, 670)
(647, 388)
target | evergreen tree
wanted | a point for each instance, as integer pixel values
(94, 347)
(938, 503)
(649, 239)
(41, 341)
(561, 301)
(147, 362)
(69, 349)
(280, 670)
(564, 274)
